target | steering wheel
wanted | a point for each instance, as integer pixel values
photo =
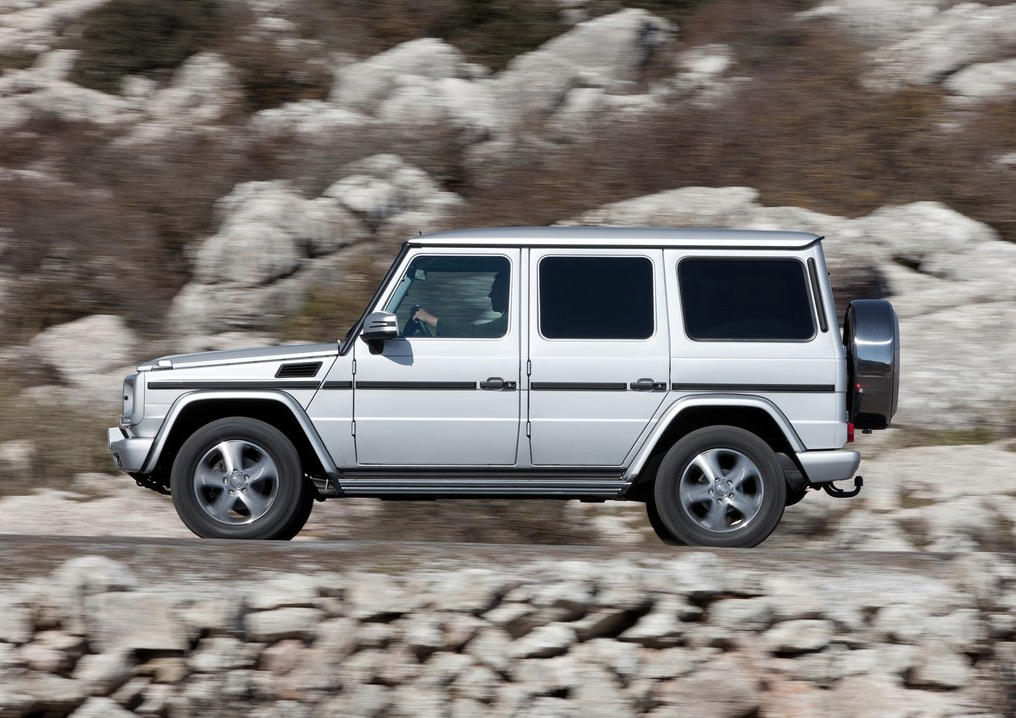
(415, 327)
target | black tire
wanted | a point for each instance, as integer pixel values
(240, 478)
(658, 526)
(796, 497)
(720, 486)
(301, 516)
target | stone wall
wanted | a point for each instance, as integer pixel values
(322, 629)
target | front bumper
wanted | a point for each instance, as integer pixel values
(822, 467)
(129, 453)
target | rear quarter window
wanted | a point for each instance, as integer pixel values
(745, 300)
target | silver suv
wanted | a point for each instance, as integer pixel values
(701, 372)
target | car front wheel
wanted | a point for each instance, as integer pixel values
(720, 486)
(240, 478)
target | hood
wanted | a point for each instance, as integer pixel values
(242, 356)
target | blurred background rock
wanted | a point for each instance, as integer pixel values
(216, 173)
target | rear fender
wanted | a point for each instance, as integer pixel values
(713, 401)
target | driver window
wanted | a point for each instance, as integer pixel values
(457, 296)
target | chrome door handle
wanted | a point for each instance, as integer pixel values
(647, 385)
(496, 383)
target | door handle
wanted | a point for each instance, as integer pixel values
(647, 385)
(496, 383)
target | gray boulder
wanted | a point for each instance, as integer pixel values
(927, 236)
(955, 38)
(310, 120)
(956, 364)
(31, 27)
(420, 83)
(307, 140)
(608, 53)
(876, 23)
(983, 82)
(97, 345)
(41, 91)
(470, 106)
(135, 621)
(91, 355)
(364, 85)
(267, 233)
(67, 597)
(381, 187)
(204, 90)
(266, 230)
(685, 207)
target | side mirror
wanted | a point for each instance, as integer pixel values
(379, 327)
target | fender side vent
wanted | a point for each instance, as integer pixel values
(305, 370)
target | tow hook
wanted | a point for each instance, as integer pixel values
(840, 493)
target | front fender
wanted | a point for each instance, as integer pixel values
(286, 402)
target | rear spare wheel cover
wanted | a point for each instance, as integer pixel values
(872, 338)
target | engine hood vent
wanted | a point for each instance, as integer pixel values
(303, 370)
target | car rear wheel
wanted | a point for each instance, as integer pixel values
(720, 486)
(240, 478)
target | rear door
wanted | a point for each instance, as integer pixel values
(599, 363)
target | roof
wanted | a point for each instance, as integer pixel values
(620, 237)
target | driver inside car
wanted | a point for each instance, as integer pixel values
(448, 327)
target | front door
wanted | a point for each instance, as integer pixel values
(446, 393)
(599, 353)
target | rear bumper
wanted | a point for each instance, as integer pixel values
(821, 467)
(129, 453)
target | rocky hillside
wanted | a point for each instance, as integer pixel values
(179, 176)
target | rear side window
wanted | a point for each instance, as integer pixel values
(596, 298)
(746, 300)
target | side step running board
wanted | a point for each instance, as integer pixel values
(536, 486)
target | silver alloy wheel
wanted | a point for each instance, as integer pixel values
(721, 490)
(236, 482)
